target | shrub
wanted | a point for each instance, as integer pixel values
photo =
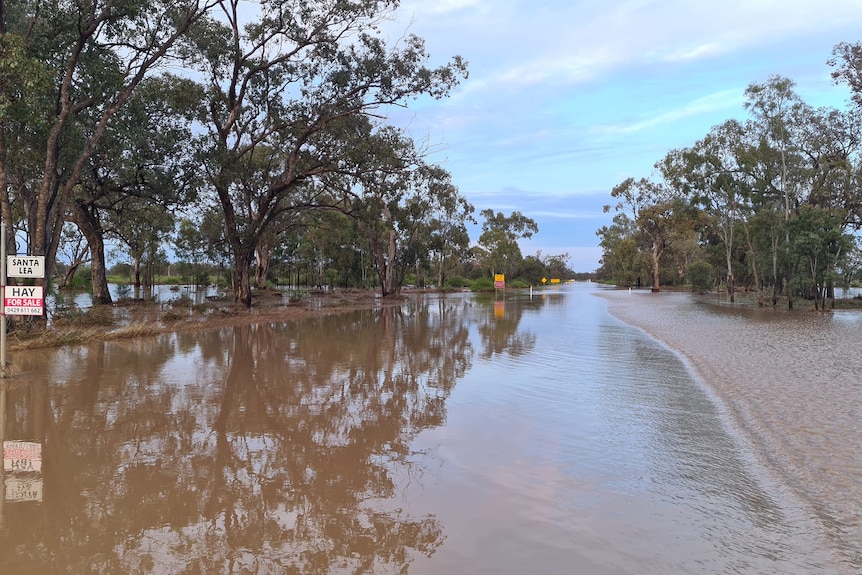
(457, 282)
(123, 290)
(82, 279)
(482, 284)
(700, 276)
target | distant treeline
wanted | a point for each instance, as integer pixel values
(771, 204)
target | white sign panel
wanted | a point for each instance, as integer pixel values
(19, 489)
(22, 456)
(23, 300)
(25, 266)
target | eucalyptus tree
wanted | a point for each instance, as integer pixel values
(141, 172)
(846, 59)
(621, 261)
(398, 202)
(199, 241)
(663, 228)
(645, 203)
(190, 247)
(499, 239)
(710, 175)
(142, 230)
(558, 265)
(776, 112)
(849, 268)
(831, 143)
(75, 250)
(84, 61)
(449, 245)
(303, 77)
(440, 215)
(409, 209)
(819, 244)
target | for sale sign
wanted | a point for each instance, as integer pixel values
(22, 456)
(23, 300)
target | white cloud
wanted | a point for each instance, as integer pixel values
(563, 215)
(696, 53)
(573, 42)
(421, 8)
(724, 100)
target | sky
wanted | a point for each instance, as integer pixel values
(565, 99)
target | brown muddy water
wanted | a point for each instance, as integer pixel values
(508, 434)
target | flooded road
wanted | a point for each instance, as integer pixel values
(455, 434)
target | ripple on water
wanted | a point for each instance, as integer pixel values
(790, 381)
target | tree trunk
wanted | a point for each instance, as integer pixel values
(728, 257)
(89, 224)
(70, 273)
(440, 277)
(5, 204)
(752, 256)
(385, 260)
(242, 279)
(261, 272)
(391, 287)
(99, 276)
(774, 271)
(150, 268)
(136, 266)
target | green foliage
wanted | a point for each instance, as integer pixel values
(123, 290)
(82, 280)
(457, 282)
(482, 284)
(701, 276)
(499, 240)
(121, 269)
(518, 283)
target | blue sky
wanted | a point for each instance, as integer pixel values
(568, 98)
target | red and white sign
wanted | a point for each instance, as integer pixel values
(23, 300)
(22, 456)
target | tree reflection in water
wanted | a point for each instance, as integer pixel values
(498, 327)
(257, 449)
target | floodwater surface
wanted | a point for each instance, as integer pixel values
(507, 434)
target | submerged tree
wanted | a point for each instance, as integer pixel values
(302, 78)
(396, 201)
(83, 61)
(709, 174)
